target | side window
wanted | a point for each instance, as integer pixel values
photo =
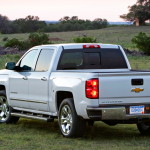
(71, 60)
(44, 60)
(27, 63)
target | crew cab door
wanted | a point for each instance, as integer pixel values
(19, 83)
(39, 81)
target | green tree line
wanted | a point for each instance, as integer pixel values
(34, 24)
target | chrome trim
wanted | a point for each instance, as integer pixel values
(124, 74)
(31, 101)
(116, 113)
(31, 116)
(25, 78)
(34, 111)
(44, 79)
(4, 109)
(124, 97)
(14, 92)
(65, 119)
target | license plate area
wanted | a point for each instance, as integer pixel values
(136, 109)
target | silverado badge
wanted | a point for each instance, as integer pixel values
(137, 90)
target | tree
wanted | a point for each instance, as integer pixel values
(29, 24)
(139, 11)
(75, 24)
(64, 19)
(74, 18)
(99, 23)
(5, 25)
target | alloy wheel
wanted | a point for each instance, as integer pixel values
(4, 109)
(66, 119)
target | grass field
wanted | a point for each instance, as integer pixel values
(139, 62)
(115, 35)
(8, 58)
(37, 135)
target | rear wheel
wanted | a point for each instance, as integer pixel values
(144, 128)
(71, 125)
(5, 110)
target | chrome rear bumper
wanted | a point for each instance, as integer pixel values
(113, 113)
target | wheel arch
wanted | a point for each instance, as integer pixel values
(61, 95)
(2, 87)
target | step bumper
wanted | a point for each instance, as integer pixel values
(113, 113)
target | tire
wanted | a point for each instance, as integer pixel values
(5, 110)
(144, 128)
(71, 125)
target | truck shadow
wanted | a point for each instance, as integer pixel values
(102, 131)
(99, 131)
(39, 126)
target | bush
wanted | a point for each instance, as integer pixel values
(5, 39)
(33, 40)
(85, 39)
(38, 39)
(142, 42)
(15, 43)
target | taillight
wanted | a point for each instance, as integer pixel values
(91, 46)
(92, 88)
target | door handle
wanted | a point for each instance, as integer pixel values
(25, 78)
(44, 79)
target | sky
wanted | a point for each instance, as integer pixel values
(56, 9)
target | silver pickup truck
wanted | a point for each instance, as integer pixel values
(78, 84)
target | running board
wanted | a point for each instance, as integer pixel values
(30, 116)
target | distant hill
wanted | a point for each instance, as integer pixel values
(110, 22)
(120, 23)
(51, 22)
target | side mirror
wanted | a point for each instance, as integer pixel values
(10, 65)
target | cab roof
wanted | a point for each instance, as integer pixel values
(79, 45)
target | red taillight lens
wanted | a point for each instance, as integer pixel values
(92, 88)
(91, 46)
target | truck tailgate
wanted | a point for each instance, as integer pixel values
(118, 88)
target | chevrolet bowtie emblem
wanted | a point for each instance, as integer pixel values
(137, 90)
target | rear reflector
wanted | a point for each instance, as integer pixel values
(92, 88)
(91, 46)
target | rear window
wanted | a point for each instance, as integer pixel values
(92, 59)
